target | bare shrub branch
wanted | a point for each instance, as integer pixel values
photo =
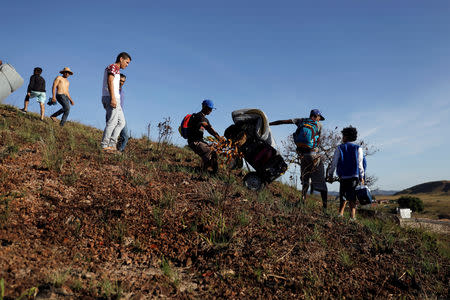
(329, 140)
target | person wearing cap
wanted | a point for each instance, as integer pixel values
(311, 165)
(197, 124)
(36, 89)
(60, 93)
(115, 119)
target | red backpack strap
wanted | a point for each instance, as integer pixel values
(186, 120)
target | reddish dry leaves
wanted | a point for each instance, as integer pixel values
(116, 218)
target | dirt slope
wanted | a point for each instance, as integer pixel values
(75, 222)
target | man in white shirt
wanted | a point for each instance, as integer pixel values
(115, 119)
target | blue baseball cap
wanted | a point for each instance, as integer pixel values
(315, 113)
(208, 103)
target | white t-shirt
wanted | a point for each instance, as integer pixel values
(114, 70)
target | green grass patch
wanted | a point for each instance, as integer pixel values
(111, 289)
(119, 231)
(5, 201)
(70, 178)
(53, 155)
(169, 272)
(59, 278)
(345, 259)
(2, 288)
(265, 196)
(9, 151)
(243, 218)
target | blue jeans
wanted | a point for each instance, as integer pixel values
(123, 139)
(65, 103)
(115, 121)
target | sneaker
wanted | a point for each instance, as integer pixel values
(352, 220)
(110, 149)
(23, 110)
(54, 119)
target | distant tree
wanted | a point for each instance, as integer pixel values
(413, 203)
(329, 140)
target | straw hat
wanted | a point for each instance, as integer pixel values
(66, 69)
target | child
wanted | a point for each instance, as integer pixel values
(348, 162)
(36, 89)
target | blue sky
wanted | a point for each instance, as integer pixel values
(382, 66)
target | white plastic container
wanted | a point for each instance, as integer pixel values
(10, 80)
(405, 213)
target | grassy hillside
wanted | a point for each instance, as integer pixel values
(75, 222)
(435, 205)
(435, 187)
(435, 196)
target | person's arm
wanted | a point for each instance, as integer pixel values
(280, 122)
(334, 163)
(361, 165)
(111, 90)
(319, 127)
(55, 84)
(68, 94)
(30, 84)
(70, 98)
(211, 130)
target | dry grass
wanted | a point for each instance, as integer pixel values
(434, 204)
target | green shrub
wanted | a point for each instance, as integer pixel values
(414, 203)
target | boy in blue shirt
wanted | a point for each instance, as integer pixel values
(348, 161)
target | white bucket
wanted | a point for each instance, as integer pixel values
(405, 213)
(10, 81)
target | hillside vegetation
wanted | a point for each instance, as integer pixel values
(76, 222)
(436, 206)
(434, 187)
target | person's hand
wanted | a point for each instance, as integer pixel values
(113, 103)
(222, 138)
(330, 179)
(362, 181)
(53, 100)
(29, 94)
(71, 102)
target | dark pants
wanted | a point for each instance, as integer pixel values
(123, 139)
(347, 189)
(65, 103)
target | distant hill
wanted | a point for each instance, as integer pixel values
(383, 192)
(435, 187)
(374, 192)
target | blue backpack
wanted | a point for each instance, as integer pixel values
(307, 134)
